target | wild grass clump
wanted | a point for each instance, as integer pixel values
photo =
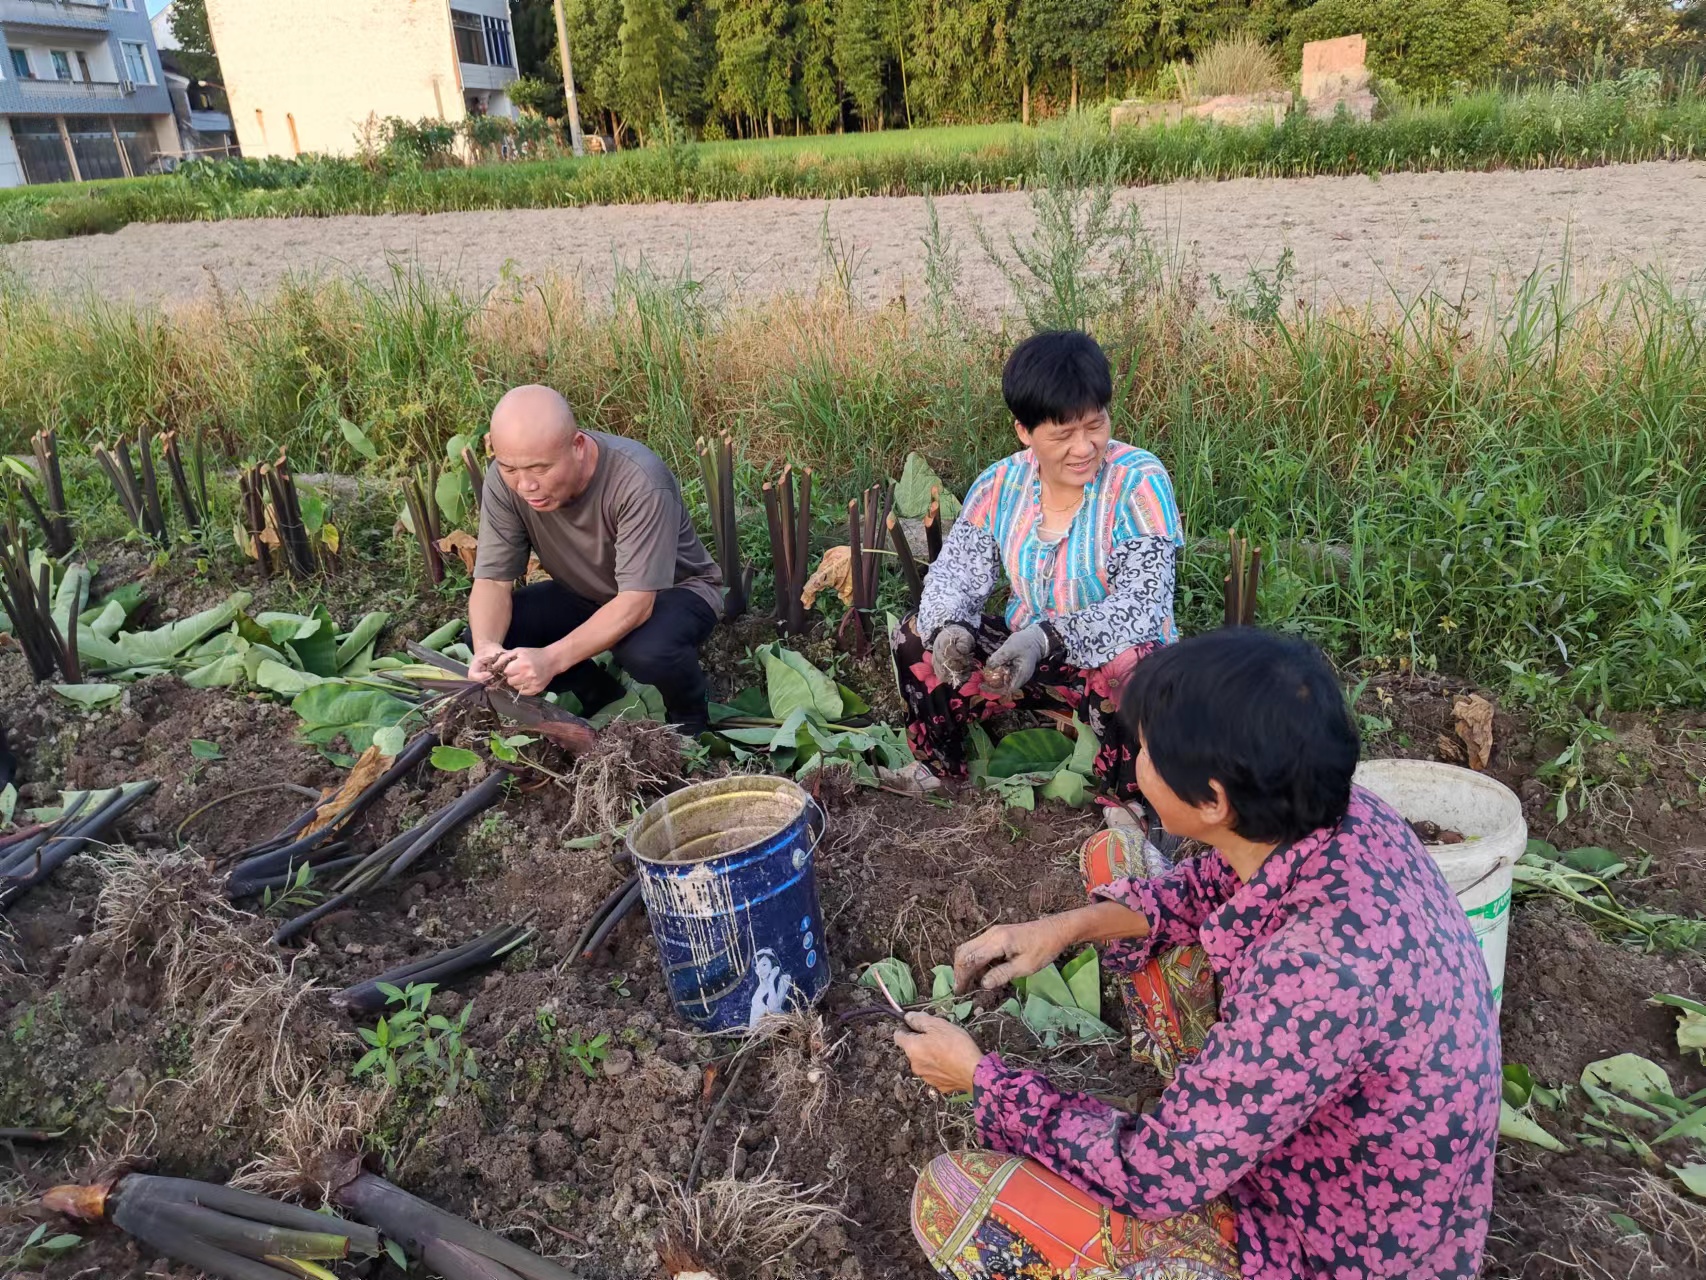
(1239, 63)
(1571, 126)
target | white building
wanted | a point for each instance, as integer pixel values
(310, 75)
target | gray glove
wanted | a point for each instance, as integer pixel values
(1014, 663)
(953, 654)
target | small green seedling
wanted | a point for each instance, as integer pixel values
(587, 1054)
(202, 749)
(415, 1044)
(40, 1248)
(893, 977)
(942, 1000)
(297, 896)
(1059, 1003)
(509, 749)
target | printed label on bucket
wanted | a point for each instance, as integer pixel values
(1491, 921)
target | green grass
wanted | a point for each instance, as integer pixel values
(1564, 126)
(1518, 498)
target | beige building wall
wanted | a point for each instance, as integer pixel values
(305, 75)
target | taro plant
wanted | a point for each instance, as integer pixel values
(412, 1044)
(1063, 1002)
(1033, 764)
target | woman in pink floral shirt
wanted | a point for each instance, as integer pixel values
(1338, 1121)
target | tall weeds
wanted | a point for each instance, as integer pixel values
(1518, 497)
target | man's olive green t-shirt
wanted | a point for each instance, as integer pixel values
(627, 531)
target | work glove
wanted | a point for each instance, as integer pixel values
(1012, 665)
(953, 654)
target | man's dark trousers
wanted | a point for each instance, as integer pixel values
(662, 651)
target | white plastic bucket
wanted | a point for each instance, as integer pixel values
(1488, 816)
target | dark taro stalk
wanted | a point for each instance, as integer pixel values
(717, 469)
(56, 520)
(29, 603)
(252, 490)
(139, 495)
(423, 515)
(226, 1233)
(908, 562)
(27, 864)
(294, 547)
(1244, 574)
(439, 968)
(790, 546)
(933, 527)
(476, 476)
(194, 512)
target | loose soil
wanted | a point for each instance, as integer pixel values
(1356, 240)
(576, 1160)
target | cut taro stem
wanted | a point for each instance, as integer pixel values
(260, 862)
(584, 945)
(390, 860)
(454, 1262)
(245, 1204)
(614, 917)
(366, 997)
(71, 840)
(418, 1226)
(258, 1240)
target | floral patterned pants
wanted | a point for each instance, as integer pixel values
(981, 1215)
(937, 714)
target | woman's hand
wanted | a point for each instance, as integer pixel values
(1011, 666)
(940, 1054)
(953, 655)
(1014, 951)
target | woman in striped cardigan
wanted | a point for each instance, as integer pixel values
(1086, 534)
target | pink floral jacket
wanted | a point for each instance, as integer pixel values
(1347, 1103)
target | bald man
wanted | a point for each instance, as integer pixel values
(628, 572)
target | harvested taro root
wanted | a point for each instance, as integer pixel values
(1433, 833)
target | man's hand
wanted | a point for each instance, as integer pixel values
(529, 670)
(1014, 951)
(953, 655)
(1011, 666)
(489, 663)
(940, 1054)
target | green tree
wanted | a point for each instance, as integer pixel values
(859, 50)
(1075, 36)
(755, 60)
(651, 56)
(1552, 38)
(964, 66)
(196, 54)
(536, 39)
(594, 27)
(817, 89)
(1425, 45)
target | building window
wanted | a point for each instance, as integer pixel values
(61, 64)
(470, 37)
(124, 5)
(497, 42)
(136, 64)
(21, 64)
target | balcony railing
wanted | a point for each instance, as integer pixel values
(76, 88)
(83, 14)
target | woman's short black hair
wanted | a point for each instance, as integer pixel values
(1261, 714)
(1056, 376)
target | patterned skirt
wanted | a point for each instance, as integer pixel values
(980, 1215)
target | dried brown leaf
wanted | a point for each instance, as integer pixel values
(1474, 715)
(834, 571)
(372, 763)
(462, 544)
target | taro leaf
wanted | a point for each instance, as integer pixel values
(1084, 749)
(1083, 977)
(71, 596)
(890, 747)
(760, 736)
(358, 440)
(452, 493)
(1593, 860)
(896, 975)
(1068, 788)
(1691, 1030)
(315, 644)
(1050, 1022)
(454, 759)
(1030, 751)
(942, 994)
(160, 646)
(1020, 797)
(851, 703)
(202, 749)
(1518, 1084)
(1693, 1177)
(221, 673)
(751, 702)
(641, 702)
(336, 707)
(256, 654)
(787, 734)
(1692, 1125)
(313, 509)
(89, 696)
(1520, 1128)
(277, 678)
(1046, 984)
(359, 665)
(912, 492)
(791, 683)
(363, 634)
(1610, 1082)
(390, 740)
(436, 640)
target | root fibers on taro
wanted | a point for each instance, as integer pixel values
(731, 1228)
(631, 758)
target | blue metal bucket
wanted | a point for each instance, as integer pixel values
(726, 869)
